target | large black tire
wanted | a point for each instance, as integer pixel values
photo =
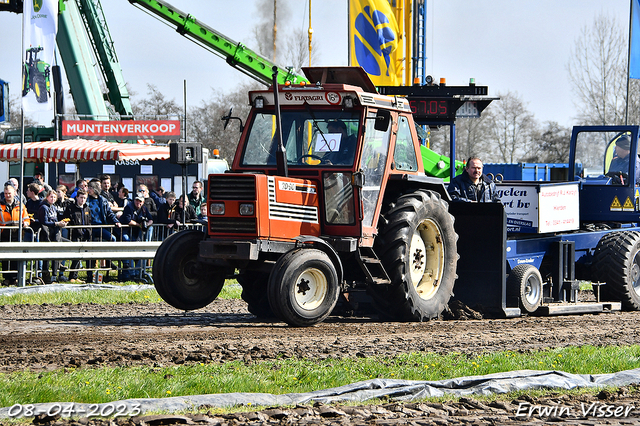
(303, 287)
(40, 88)
(525, 283)
(25, 81)
(417, 245)
(179, 278)
(254, 291)
(616, 261)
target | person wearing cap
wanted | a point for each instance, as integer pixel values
(619, 166)
(139, 219)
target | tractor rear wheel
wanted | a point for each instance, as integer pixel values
(179, 278)
(616, 261)
(417, 245)
(303, 287)
(25, 81)
(40, 88)
(525, 283)
(254, 291)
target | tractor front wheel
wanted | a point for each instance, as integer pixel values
(179, 278)
(417, 245)
(303, 287)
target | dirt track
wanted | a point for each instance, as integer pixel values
(49, 337)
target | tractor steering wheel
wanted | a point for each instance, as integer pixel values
(615, 177)
(315, 157)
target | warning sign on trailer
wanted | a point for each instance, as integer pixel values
(628, 205)
(615, 205)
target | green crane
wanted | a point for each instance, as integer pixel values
(236, 54)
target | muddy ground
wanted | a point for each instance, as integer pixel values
(49, 337)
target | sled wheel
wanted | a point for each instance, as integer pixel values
(179, 278)
(303, 287)
(254, 291)
(616, 261)
(525, 283)
(417, 245)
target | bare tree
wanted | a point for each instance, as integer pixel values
(512, 127)
(472, 138)
(14, 116)
(266, 32)
(597, 71)
(553, 143)
(155, 104)
(206, 125)
(297, 51)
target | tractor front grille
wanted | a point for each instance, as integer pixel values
(232, 225)
(232, 187)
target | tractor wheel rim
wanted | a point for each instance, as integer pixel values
(634, 274)
(532, 290)
(426, 258)
(310, 289)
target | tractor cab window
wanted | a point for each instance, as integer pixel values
(404, 155)
(373, 164)
(603, 157)
(310, 138)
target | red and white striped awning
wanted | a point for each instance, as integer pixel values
(78, 150)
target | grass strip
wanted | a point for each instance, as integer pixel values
(99, 385)
(231, 290)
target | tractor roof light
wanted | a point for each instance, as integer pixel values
(287, 83)
(258, 102)
(347, 102)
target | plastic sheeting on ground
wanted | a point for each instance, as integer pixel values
(49, 288)
(405, 390)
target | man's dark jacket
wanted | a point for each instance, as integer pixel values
(462, 188)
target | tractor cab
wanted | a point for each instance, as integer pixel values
(605, 162)
(338, 138)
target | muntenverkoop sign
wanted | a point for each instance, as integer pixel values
(126, 129)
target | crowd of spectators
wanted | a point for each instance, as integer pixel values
(96, 210)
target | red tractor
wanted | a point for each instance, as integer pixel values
(326, 199)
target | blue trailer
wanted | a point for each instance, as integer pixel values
(529, 253)
(528, 171)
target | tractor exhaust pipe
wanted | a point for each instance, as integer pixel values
(281, 153)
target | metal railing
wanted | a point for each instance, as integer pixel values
(27, 258)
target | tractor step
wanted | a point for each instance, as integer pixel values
(372, 267)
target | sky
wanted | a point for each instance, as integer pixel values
(521, 46)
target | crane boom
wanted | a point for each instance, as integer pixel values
(98, 32)
(236, 54)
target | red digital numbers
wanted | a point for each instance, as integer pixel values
(430, 107)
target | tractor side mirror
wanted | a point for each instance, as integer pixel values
(383, 118)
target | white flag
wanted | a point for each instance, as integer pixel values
(40, 27)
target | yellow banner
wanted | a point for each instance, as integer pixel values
(374, 41)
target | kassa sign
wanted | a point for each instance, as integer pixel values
(129, 129)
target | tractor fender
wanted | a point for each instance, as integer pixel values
(399, 183)
(321, 244)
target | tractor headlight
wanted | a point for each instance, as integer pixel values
(216, 208)
(246, 209)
